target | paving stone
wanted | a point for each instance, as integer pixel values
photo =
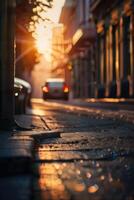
(88, 140)
(92, 154)
(85, 180)
(39, 134)
(32, 121)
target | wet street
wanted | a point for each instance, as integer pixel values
(91, 159)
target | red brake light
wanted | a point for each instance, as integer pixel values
(45, 89)
(66, 89)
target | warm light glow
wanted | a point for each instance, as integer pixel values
(43, 36)
(93, 189)
(66, 90)
(45, 89)
(43, 29)
(77, 36)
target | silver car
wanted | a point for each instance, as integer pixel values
(55, 88)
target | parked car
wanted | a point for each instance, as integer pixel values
(24, 95)
(55, 88)
(19, 98)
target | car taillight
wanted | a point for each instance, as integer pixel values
(66, 89)
(45, 89)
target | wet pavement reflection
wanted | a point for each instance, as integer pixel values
(92, 159)
(86, 179)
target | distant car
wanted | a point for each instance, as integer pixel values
(55, 88)
(24, 94)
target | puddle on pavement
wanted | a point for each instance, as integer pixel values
(84, 180)
(71, 173)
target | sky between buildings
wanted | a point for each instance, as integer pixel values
(42, 71)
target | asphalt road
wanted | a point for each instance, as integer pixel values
(92, 158)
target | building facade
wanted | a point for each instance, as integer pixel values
(78, 35)
(100, 55)
(114, 55)
(57, 55)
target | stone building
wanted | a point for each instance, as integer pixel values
(57, 55)
(78, 35)
(100, 55)
(114, 47)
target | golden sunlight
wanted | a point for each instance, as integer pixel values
(43, 30)
(43, 38)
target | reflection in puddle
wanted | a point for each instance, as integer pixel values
(79, 187)
(89, 175)
(78, 171)
(93, 188)
(86, 180)
(102, 178)
(110, 177)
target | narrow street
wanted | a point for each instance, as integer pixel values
(67, 100)
(91, 159)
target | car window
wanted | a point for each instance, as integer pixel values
(55, 84)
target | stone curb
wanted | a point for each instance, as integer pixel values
(16, 156)
(47, 134)
(16, 152)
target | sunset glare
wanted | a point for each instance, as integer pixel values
(42, 29)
